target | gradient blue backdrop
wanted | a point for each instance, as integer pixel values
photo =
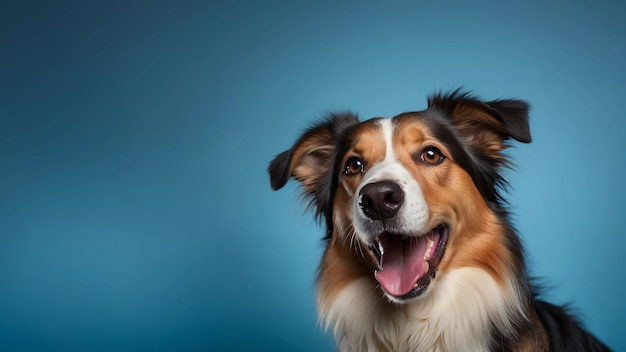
(135, 210)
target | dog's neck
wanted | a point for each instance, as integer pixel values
(459, 315)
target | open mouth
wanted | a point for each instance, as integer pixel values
(407, 264)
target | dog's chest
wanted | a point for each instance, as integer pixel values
(457, 315)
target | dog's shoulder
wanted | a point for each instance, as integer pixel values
(564, 330)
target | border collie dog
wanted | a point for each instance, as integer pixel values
(419, 251)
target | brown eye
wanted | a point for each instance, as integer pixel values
(354, 166)
(432, 156)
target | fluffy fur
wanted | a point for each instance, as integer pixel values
(420, 254)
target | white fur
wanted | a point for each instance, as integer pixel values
(413, 215)
(387, 127)
(455, 314)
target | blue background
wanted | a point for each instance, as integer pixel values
(135, 210)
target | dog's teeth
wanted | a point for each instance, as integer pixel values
(429, 246)
(425, 267)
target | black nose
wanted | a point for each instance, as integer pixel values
(381, 200)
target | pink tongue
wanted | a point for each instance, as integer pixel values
(402, 263)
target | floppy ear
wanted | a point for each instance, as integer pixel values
(311, 160)
(485, 125)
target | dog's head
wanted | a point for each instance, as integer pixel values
(416, 194)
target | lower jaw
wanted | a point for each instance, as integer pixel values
(418, 290)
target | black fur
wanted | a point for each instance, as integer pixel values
(508, 119)
(280, 170)
(565, 332)
(483, 168)
(321, 197)
(512, 113)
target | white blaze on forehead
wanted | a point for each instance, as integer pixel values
(413, 215)
(387, 127)
(384, 169)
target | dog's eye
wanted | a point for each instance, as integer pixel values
(432, 156)
(354, 166)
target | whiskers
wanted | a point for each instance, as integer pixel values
(355, 244)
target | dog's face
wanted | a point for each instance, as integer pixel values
(401, 190)
(415, 195)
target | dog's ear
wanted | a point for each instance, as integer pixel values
(311, 159)
(485, 125)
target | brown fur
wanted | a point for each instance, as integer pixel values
(462, 192)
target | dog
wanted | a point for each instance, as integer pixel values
(420, 254)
